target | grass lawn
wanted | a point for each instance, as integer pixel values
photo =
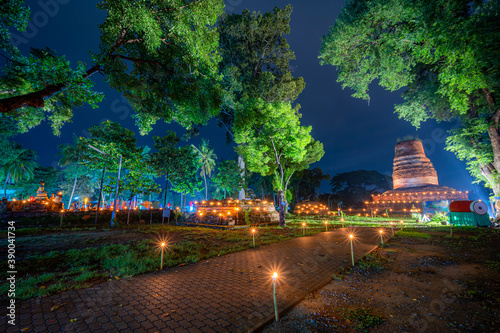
(53, 259)
(49, 260)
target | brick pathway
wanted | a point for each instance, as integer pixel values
(231, 293)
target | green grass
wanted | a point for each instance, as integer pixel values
(361, 318)
(413, 234)
(372, 261)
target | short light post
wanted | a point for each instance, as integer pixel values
(342, 220)
(162, 245)
(351, 238)
(326, 225)
(303, 229)
(382, 237)
(62, 214)
(401, 222)
(275, 276)
(253, 237)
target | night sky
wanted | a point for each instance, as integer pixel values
(355, 135)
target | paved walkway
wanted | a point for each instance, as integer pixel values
(231, 293)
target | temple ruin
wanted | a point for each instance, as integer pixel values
(415, 183)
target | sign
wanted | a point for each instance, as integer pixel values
(434, 207)
(166, 212)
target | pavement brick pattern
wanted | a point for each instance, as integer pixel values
(231, 293)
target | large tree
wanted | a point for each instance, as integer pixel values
(228, 178)
(172, 161)
(162, 55)
(353, 188)
(444, 53)
(272, 141)
(255, 62)
(306, 183)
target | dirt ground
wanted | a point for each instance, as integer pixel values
(410, 285)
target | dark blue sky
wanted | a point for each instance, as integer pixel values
(355, 135)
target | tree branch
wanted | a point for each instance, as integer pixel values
(37, 99)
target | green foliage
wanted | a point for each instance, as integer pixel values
(413, 234)
(161, 56)
(228, 177)
(206, 160)
(266, 132)
(361, 318)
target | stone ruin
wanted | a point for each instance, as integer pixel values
(415, 181)
(311, 208)
(229, 212)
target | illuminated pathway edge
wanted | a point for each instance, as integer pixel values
(231, 293)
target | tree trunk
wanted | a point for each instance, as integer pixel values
(494, 179)
(129, 209)
(6, 182)
(241, 164)
(281, 203)
(72, 192)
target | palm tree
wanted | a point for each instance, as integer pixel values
(70, 154)
(206, 157)
(20, 165)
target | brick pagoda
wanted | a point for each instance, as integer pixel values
(415, 181)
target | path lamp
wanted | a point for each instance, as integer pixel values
(162, 245)
(253, 237)
(303, 229)
(62, 213)
(275, 276)
(381, 237)
(401, 224)
(326, 225)
(351, 238)
(342, 220)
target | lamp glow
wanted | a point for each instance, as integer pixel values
(275, 276)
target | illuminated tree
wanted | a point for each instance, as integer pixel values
(272, 141)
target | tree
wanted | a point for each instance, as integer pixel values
(161, 55)
(228, 177)
(116, 141)
(20, 165)
(71, 156)
(169, 160)
(261, 183)
(206, 158)
(444, 53)
(355, 187)
(255, 62)
(272, 141)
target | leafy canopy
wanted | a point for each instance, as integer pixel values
(161, 55)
